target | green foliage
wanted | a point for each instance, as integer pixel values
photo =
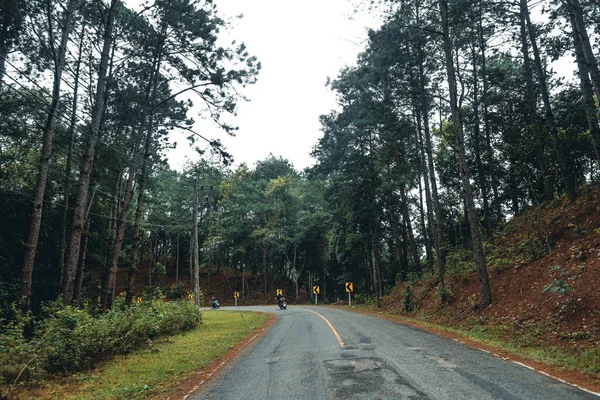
(460, 261)
(578, 230)
(175, 292)
(159, 271)
(71, 339)
(559, 285)
(533, 247)
(364, 298)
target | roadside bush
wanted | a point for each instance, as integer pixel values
(364, 299)
(70, 339)
(460, 261)
(74, 340)
(18, 356)
(175, 291)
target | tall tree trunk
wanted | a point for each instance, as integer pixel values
(112, 228)
(69, 167)
(477, 137)
(191, 258)
(83, 253)
(425, 174)
(532, 119)
(438, 226)
(177, 261)
(324, 265)
(196, 255)
(491, 170)
(88, 158)
(139, 210)
(414, 252)
(550, 122)
(47, 139)
(3, 54)
(397, 242)
(588, 54)
(106, 301)
(264, 264)
(586, 86)
(485, 291)
(376, 259)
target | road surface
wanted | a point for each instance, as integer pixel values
(328, 353)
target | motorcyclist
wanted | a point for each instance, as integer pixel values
(279, 297)
(214, 303)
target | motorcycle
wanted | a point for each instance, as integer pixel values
(214, 304)
(281, 303)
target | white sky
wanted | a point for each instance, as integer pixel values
(299, 45)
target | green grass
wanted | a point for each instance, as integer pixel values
(149, 372)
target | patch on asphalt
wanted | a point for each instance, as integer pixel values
(368, 378)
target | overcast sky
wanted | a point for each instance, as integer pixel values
(299, 44)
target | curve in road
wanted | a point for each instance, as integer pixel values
(329, 353)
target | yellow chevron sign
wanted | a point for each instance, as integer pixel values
(316, 289)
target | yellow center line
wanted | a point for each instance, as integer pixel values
(337, 336)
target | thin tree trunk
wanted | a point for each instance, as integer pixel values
(477, 137)
(590, 59)
(112, 228)
(177, 262)
(264, 264)
(133, 265)
(550, 121)
(491, 170)
(397, 242)
(532, 119)
(83, 254)
(438, 226)
(68, 168)
(88, 158)
(586, 86)
(485, 291)
(47, 139)
(411, 237)
(424, 173)
(191, 258)
(106, 301)
(324, 265)
(377, 279)
(196, 254)
(3, 55)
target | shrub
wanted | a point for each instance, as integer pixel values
(559, 284)
(70, 339)
(175, 291)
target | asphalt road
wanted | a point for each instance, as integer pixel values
(300, 357)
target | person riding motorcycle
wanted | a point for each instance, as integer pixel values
(214, 303)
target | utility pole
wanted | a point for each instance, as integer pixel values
(196, 264)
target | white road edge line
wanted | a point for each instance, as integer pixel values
(553, 377)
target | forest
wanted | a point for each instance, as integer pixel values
(451, 122)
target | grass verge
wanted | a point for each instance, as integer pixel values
(158, 369)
